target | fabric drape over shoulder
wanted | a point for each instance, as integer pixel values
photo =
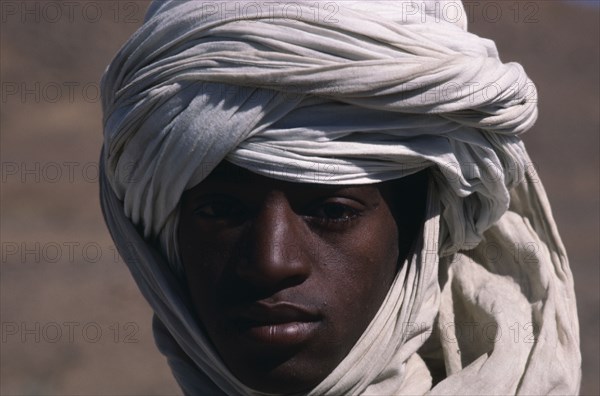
(350, 92)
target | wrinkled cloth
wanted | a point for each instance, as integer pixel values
(349, 93)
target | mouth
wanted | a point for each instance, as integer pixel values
(276, 325)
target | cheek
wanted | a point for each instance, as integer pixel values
(361, 269)
(372, 250)
(204, 256)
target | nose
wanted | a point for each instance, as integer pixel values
(277, 240)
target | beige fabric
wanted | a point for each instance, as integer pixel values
(508, 307)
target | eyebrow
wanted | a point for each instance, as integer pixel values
(230, 173)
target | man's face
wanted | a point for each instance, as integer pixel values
(285, 277)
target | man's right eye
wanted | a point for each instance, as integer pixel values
(219, 209)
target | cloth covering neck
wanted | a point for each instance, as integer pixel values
(349, 93)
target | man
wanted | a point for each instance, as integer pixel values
(335, 200)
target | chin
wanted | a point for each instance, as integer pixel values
(283, 374)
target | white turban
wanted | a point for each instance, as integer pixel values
(349, 92)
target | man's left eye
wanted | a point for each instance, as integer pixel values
(334, 212)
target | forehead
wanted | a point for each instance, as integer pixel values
(232, 176)
(406, 193)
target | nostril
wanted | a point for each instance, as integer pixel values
(250, 289)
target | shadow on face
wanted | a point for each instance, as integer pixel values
(285, 277)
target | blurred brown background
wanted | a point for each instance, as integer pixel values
(72, 319)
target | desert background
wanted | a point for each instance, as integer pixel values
(73, 321)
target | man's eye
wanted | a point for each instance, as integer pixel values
(333, 212)
(219, 210)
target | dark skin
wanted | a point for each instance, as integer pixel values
(285, 277)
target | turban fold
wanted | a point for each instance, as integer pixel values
(349, 92)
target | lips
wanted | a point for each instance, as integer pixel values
(275, 325)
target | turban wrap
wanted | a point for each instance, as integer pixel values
(349, 92)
